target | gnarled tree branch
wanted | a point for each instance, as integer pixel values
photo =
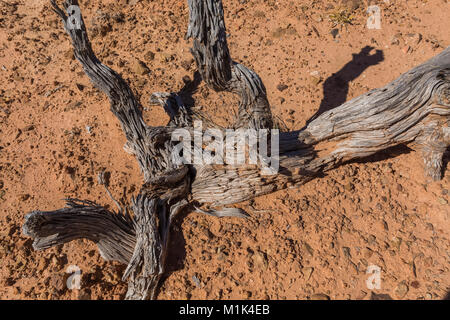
(413, 110)
(112, 232)
(219, 71)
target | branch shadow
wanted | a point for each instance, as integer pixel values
(176, 250)
(172, 102)
(177, 244)
(335, 87)
(445, 161)
(386, 154)
(190, 87)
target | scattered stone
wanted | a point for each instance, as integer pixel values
(413, 38)
(186, 79)
(346, 251)
(140, 68)
(118, 17)
(259, 14)
(407, 49)
(396, 242)
(395, 40)
(315, 77)
(380, 296)
(149, 56)
(43, 263)
(316, 31)
(308, 248)
(196, 281)
(349, 186)
(315, 80)
(24, 197)
(9, 282)
(415, 284)
(317, 17)
(282, 87)
(352, 4)
(401, 290)
(307, 272)
(84, 294)
(320, 296)
(334, 32)
(165, 57)
(280, 32)
(57, 282)
(186, 64)
(443, 201)
(367, 252)
(73, 105)
(315, 73)
(361, 295)
(260, 259)
(372, 240)
(69, 54)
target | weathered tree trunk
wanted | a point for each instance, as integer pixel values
(413, 110)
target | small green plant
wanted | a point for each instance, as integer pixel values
(341, 16)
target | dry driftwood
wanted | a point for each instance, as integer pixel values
(412, 110)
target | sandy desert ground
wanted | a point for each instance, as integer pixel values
(313, 242)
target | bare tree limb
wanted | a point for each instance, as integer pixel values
(210, 50)
(112, 232)
(412, 110)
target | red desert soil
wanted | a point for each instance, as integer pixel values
(312, 242)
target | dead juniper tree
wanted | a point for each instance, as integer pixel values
(412, 110)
